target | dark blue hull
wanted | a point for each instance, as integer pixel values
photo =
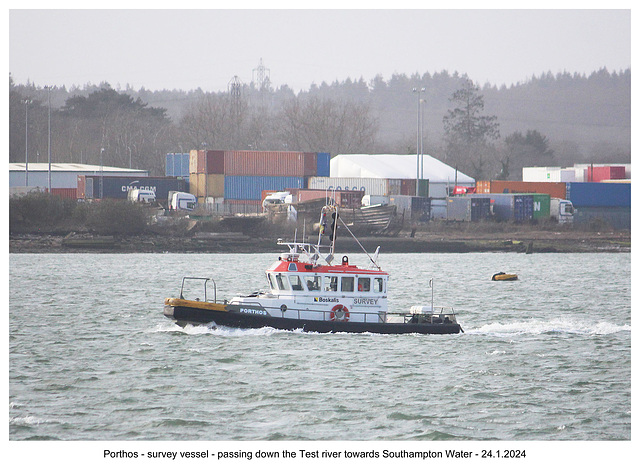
(184, 315)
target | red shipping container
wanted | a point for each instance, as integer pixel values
(270, 163)
(65, 193)
(606, 173)
(408, 187)
(206, 162)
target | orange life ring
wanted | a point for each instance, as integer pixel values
(339, 313)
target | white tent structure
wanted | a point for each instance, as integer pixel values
(396, 166)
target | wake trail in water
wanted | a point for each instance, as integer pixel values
(557, 326)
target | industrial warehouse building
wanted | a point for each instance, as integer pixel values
(400, 166)
(64, 177)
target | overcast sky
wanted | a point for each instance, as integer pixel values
(187, 49)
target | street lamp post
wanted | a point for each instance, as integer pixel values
(26, 141)
(101, 174)
(419, 137)
(49, 136)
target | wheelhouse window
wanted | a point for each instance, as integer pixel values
(378, 285)
(272, 282)
(283, 283)
(296, 282)
(313, 282)
(364, 284)
(330, 283)
(346, 284)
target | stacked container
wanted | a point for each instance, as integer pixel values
(607, 202)
(177, 165)
(206, 174)
(553, 189)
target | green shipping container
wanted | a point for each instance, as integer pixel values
(423, 188)
(541, 206)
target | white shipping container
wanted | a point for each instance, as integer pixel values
(370, 186)
(542, 174)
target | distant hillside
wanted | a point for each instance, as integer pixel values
(585, 118)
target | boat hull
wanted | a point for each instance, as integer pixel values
(188, 313)
(504, 277)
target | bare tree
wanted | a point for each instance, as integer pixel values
(326, 125)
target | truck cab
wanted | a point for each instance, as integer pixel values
(181, 201)
(562, 210)
(138, 195)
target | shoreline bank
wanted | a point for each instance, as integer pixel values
(423, 242)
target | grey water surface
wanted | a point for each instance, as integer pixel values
(547, 357)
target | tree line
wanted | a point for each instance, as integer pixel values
(487, 132)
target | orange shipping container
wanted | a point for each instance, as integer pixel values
(553, 189)
(203, 185)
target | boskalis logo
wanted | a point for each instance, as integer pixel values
(325, 300)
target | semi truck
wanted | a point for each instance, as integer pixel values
(139, 195)
(561, 210)
(182, 201)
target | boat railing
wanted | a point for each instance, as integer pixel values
(205, 281)
(439, 315)
(435, 315)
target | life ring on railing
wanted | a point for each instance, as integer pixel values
(339, 313)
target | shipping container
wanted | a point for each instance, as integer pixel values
(324, 164)
(542, 206)
(510, 207)
(408, 187)
(204, 185)
(206, 161)
(553, 189)
(548, 174)
(95, 186)
(65, 193)
(345, 199)
(608, 172)
(423, 188)
(414, 208)
(584, 168)
(177, 165)
(370, 186)
(599, 194)
(270, 163)
(238, 187)
(463, 208)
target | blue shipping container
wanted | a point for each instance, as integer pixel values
(510, 206)
(177, 165)
(118, 187)
(324, 163)
(250, 187)
(594, 194)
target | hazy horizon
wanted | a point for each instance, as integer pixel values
(190, 49)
